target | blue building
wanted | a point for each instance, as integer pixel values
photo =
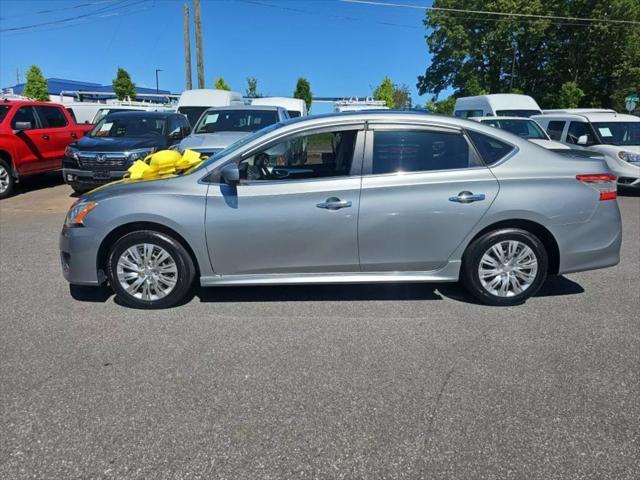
(59, 85)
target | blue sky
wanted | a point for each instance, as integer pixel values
(344, 49)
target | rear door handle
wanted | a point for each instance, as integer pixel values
(45, 137)
(74, 135)
(467, 197)
(334, 203)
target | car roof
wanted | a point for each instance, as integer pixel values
(480, 119)
(142, 113)
(591, 116)
(29, 102)
(246, 107)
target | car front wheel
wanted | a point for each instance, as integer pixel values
(149, 269)
(505, 267)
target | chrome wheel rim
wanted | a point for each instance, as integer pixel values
(508, 268)
(4, 179)
(147, 272)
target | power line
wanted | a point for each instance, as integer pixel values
(103, 10)
(41, 12)
(506, 14)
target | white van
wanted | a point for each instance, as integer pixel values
(614, 135)
(497, 105)
(296, 107)
(193, 103)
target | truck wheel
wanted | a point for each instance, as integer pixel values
(7, 181)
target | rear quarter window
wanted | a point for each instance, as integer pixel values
(491, 149)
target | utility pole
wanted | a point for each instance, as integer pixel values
(157, 88)
(187, 44)
(17, 75)
(199, 62)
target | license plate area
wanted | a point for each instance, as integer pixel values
(104, 175)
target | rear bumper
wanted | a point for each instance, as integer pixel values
(78, 255)
(593, 244)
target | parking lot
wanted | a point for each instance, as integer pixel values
(382, 381)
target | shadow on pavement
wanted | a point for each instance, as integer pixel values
(90, 294)
(628, 192)
(558, 286)
(38, 182)
(319, 293)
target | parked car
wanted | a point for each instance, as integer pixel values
(614, 135)
(374, 197)
(496, 105)
(119, 139)
(33, 138)
(105, 110)
(525, 128)
(220, 127)
(193, 103)
(295, 107)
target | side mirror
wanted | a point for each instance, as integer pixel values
(583, 139)
(230, 174)
(22, 126)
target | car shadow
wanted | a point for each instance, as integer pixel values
(628, 192)
(37, 182)
(554, 287)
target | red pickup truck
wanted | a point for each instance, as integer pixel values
(33, 137)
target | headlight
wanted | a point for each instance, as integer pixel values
(78, 212)
(629, 157)
(71, 152)
(140, 154)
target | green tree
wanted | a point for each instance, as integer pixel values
(123, 86)
(441, 107)
(535, 56)
(252, 88)
(220, 84)
(303, 92)
(570, 95)
(384, 92)
(401, 96)
(36, 87)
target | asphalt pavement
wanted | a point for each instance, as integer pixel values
(312, 382)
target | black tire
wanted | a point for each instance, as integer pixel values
(183, 262)
(470, 274)
(5, 168)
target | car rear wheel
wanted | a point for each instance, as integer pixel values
(505, 267)
(7, 181)
(149, 269)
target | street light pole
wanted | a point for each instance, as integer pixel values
(157, 89)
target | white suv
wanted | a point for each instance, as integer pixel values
(615, 135)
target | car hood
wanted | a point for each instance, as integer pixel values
(211, 141)
(118, 144)
(549, 143)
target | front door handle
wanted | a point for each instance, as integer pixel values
(334, 203)
(467, 197)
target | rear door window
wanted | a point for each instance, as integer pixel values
(396, 151)
(491, 149)
(52, 117)
(555, 129)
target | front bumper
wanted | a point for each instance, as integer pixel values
(78, 255)
(84, 178)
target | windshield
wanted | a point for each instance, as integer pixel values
(103, 112)
(240, 143)
(129, 126)
(4, 109)
(524, 128)
(192, 113)
(517, 113)
(235, 120)
(618, 133)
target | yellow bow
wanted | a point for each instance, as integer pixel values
(162, 163)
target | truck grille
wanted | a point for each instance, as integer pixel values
(100, 160)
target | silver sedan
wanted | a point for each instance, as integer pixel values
(350, 198)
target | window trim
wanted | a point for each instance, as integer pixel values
(43, 118)
(367, 168)
(213, 177)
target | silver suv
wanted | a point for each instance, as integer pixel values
(344, 198)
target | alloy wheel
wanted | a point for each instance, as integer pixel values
(4, 179)
(147, 271)
(508, 268)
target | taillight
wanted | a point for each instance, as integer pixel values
(605, 183)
